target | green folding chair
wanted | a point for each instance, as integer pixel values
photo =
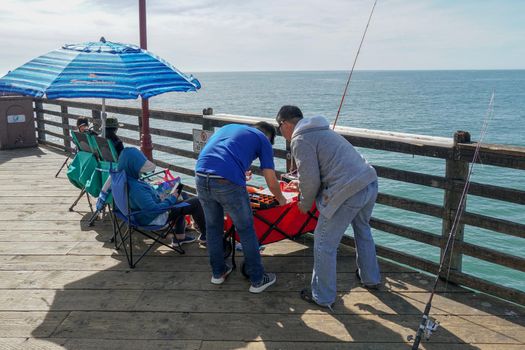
(83, 166)
(107, 160)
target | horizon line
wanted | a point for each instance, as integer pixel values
(361, 70)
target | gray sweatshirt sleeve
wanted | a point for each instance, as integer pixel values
(305, 156)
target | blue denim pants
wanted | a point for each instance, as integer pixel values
(357, 211)
(218, 196)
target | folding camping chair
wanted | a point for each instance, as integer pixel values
(122, 212)
(107, 158)
(83, 165)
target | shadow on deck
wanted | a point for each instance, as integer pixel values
(63, 286)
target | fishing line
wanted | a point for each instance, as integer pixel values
(427, 325)
(353, 65)
(475, 158)
(337, 117)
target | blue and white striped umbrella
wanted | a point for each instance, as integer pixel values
(97, 69)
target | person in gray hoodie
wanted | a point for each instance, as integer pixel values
(344, 187)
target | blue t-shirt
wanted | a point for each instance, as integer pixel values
(231, 150)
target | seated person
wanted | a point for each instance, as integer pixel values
(142, 196)
(112, 126)
(83, 125)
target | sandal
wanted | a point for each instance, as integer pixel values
(306, 295)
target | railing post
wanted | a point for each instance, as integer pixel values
(65, 127)
(40, 126)
(206, 123)
(456, 174)
(97, 120)
(290, 165)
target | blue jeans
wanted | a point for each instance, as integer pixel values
(218, 196)
(357, 211)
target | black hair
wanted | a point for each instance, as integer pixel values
(289, 113)
(82, 121)
(111, 132)
(267, 129)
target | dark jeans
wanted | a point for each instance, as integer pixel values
(195, 210)
(217, 197)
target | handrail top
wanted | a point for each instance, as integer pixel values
(420, 140)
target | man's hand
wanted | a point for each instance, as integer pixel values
(282, 200)
(302, 208)
(273, 185)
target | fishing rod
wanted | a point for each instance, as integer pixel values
(352, 70)
(353, 65)
(427, 324)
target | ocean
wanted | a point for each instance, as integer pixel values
(434, 103)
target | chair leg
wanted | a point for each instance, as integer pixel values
(131, 265)
(78, 199)
(89, 202)
(92, 219)
(62, 167)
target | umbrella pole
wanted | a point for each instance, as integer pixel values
(145, 140)
(103, 117)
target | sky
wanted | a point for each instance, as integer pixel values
(275, 35)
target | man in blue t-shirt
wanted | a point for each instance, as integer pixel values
(221, 172)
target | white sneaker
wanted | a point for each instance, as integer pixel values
(222, 278)
(268, 280)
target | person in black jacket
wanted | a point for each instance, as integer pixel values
(112, 126)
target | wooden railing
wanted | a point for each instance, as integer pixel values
(457, 153)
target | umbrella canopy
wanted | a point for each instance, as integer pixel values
(97, 69)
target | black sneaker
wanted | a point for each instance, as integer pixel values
(367, 286)
(268, 280)
(306, 295)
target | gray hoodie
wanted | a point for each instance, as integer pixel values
(330, 169)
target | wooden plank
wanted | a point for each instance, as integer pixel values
(36, 248)
(410, 177)
(410, 204)
(494, 224)
(175, 151)
(68, 300)
(304, 327)
(191, 118)
(506, 293)
(333, 345)
(358, 302)
(499, 155)
(175, 168)
(497, 192)
(27, 324)
(158, 263)
(53, 343)
(196, 281)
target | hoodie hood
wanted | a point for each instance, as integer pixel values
(310, 124)
(131, 161)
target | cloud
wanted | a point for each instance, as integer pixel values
(210, 35)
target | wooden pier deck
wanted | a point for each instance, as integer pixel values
(63, 286)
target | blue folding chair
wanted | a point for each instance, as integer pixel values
(124, 216)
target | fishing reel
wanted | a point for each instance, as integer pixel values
(426, 329)
(430, 326)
